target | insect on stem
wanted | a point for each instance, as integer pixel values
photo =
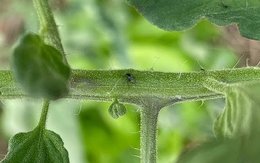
(224, 5)
(130, 78)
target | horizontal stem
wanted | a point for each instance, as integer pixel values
(133, 86)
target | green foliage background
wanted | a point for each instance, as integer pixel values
(109, 34)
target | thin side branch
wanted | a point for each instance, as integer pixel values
(48, 27)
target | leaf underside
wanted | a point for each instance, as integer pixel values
(183, 14)
(237, 130)
(37, 146)
(241, 112)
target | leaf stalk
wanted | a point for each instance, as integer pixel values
(44, 114)
(48, 27)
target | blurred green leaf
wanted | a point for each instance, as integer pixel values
(238, 128)
(39, 68)
(212, 152)
(39, 145)
(236, 150)
(241, 112)
(183, 14)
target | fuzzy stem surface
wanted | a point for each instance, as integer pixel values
(149, 117)
(48, 27)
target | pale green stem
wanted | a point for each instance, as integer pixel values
(48, 27)
(102, 85)
(50, 34)
(44, 114)
(149, 117)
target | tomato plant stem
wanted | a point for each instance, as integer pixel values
(105, 85)
(44, 114)
(148, 144)
(48, 27)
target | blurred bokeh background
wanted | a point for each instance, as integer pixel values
(109, 34)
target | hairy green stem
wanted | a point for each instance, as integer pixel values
(48, 27)
(148, 143)
(50, 34)
(44, 114)
(167, 88)
(215, 85)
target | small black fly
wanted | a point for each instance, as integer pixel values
(224, 5)
(130, 78)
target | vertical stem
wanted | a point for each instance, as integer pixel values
(44, 114)
(149, 118)
(48, 27)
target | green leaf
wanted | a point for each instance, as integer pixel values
(183, 14)
(40, 69)
(235, 150)
(241, 112)
(238, 125)
(37, 146)
(212, 152)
